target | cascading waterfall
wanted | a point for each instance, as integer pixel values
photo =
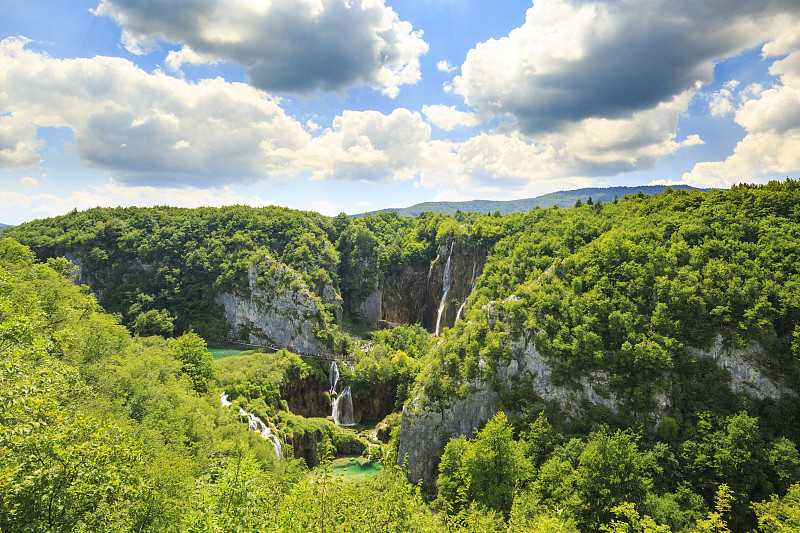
(333, 378)
(225, 400)
(256, 424)
(342, 410)
(472, 284)
(445, 288)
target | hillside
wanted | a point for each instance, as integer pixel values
(5, 226)
(630, 365)
(560, 198)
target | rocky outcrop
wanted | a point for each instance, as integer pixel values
(425, 430)
(279, 310)
(370, 308)
(745, 376)
(375, 403)
(412, 295)
(307, 397)
(404, 296)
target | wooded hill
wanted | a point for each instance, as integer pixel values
(668, 328)
(560, 198)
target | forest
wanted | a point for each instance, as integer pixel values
(664, 330)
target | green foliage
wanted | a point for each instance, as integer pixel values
(780, 515)
(484, 470)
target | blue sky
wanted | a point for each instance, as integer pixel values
(355, 105)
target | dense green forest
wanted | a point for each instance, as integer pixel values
(112, 419)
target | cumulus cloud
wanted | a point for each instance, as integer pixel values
(18, 147)
(445, 66)
(448, 118)
(286, 46)
(113, 194)
(28, 181)
(143, 127)
(721, 102)
(772, 122)
(572, 61)
(368, 145)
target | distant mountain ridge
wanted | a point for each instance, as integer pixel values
(4, 226)
(560, 198)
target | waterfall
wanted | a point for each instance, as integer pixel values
(343, 409)
(472, 284)
(256, 424)
(342, 404)
(333, 378)
(445, 288)
(225, 400)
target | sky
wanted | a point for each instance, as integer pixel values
(357, 105)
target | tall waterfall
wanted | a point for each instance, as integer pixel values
(333, 378)
(342, 410)
(256, 424)
(445, 288)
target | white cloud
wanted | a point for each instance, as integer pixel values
(721, 102)
(771, 147)
(28, 181)
(177, 58)
(448, 118)
(114, 194)
(326, 208)
(445, 66)
(18, 147)
(368, 145)
(572, 61)
(299, 46)
(144, 127)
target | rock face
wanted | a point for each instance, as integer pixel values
(370, 308)
(466, 264)
(745, 377)
(374, 404)
(279, 311)
(413, 295)
(404, 296)
(424, 431)
(307, 397)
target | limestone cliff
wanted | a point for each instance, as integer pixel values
(413, 295)
(465, 261)
(746, 377)
(307, 397)
(279, 310)
(426, 427)
(375, 403)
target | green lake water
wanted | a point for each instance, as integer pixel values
(221, 350)
(355, 468)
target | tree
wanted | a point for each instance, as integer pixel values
(484, 470)
(191, 350)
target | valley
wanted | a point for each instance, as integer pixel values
(623, 365)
